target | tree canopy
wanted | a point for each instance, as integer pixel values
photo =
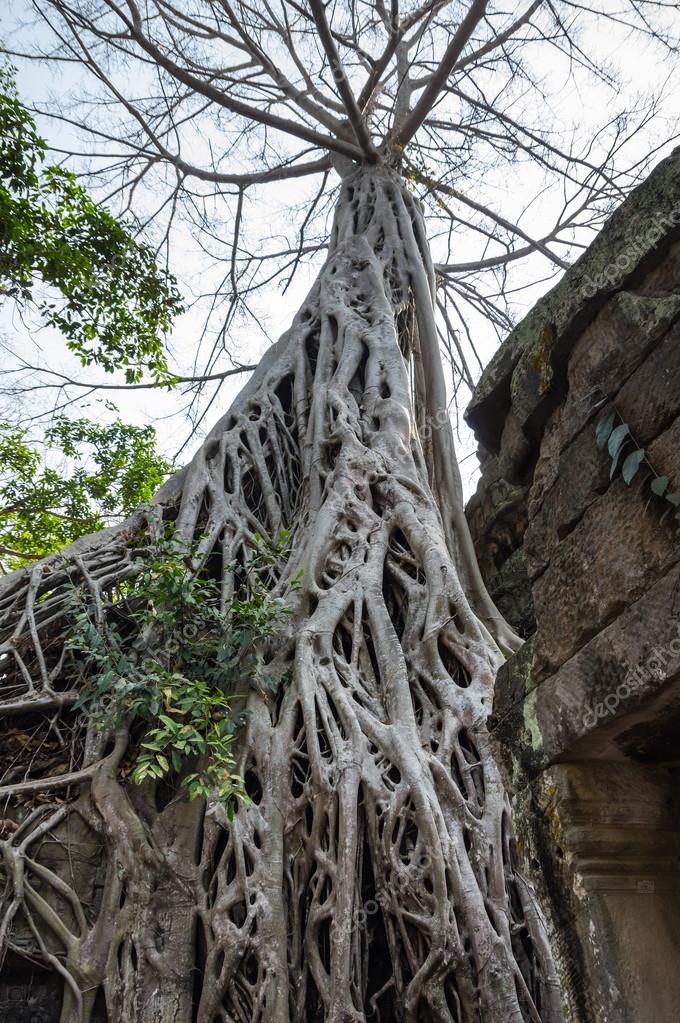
(89, 475)
(68, 256)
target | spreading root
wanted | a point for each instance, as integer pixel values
(372, 877)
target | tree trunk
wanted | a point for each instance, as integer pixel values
(372, 878)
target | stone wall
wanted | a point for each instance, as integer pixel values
(587, 715)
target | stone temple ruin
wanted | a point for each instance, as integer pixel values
(587, 568)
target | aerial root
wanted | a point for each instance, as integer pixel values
(372, 874)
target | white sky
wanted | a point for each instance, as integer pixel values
(642, 74)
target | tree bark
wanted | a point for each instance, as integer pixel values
(373, 877)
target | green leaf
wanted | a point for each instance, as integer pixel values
(616, 438)
(106, 469)
(107, 293)
(632, 464)
(615, 445)
(659, 485)
(604, 429)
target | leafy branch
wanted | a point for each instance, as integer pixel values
(167, 661)
(103, 289)
(631, 460)
(95, 472)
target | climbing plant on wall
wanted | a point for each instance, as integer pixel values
(630, 461)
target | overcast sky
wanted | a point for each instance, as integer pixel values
(639, 65)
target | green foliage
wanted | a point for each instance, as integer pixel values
(105, 291)
(169, 657)
(97, 471)
(604, 428)
(631, 465)
(616, 445)
(618, 438)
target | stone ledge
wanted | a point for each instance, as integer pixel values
(523, 375)
(581, 711)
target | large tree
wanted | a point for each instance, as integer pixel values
(371, 874)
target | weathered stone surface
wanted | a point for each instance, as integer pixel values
(587, 715)
(535, 379)
(538, 826)
(606, 837)
(515, 451)
(580, 472)
(513, 685)
(598, 694)
(664, 276)
(617, 549)
(653, 738)
(602, 689)
(664, 454)
(544, 475)
(510, 590)
(497, 519)
(610, 349)
(650, 398)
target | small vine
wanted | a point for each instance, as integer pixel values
(631, 460)
(165, 660)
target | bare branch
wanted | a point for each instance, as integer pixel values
(340, 77)
(432, 91)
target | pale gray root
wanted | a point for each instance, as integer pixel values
(372, 878)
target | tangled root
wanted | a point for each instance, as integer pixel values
(372, 877)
